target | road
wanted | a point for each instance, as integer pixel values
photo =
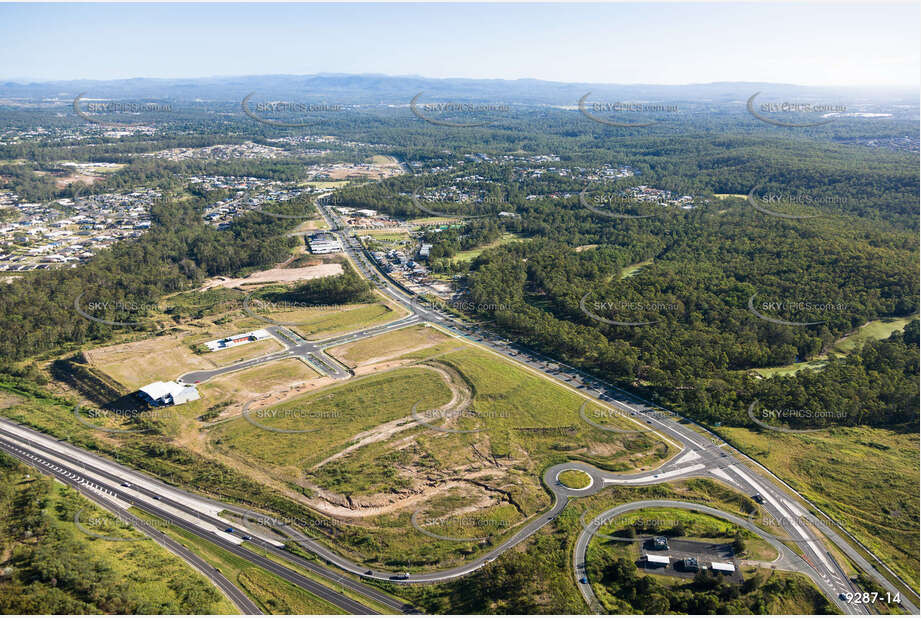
(200, 516)
(104, 500)
(786, 559)
(703, 454)
(311, 352)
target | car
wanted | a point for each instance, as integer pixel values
(583, 580)
(228, 529)
(758, 498)
(369, 572)
(126, 484)
(247, 537)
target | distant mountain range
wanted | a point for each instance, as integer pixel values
(398, 90)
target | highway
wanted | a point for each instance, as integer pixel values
(109, 502)
(703, 454)
(94, 475)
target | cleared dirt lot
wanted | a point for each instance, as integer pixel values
(282, 275)
(165, 358)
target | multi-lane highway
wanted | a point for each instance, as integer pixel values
(108, 500)
(203, 517)
(702, 452)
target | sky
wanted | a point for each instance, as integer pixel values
(820, 44)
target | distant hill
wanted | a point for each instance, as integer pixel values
(398, 90)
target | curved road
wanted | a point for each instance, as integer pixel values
(702, 455)
(786, 560)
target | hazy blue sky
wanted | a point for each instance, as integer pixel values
(819, 44)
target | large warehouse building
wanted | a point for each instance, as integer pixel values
(323, 242)
(168, 393)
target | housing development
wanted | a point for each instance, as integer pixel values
(288, 340)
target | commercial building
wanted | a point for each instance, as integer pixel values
(722, 567)
(235, 340)
(168, 393)
(324, 242)
(652, 560)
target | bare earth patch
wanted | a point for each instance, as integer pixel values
(281, 275)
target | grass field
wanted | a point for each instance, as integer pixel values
(632, 269)
(383, 160)
(311, 224)
(434, 220)
(390, 345)
(327, 184)
(323, 322)
(369, 452)
(875, 330)
(463, 256)
(865, 478)
(391, 237)
(574, 479)
(336, 414)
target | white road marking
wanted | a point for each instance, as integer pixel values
(655, 477)
(784, 514)
(689, 456)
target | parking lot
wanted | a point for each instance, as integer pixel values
(703, 551)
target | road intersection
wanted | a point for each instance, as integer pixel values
(700, 454)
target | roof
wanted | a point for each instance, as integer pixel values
(722, 566)
(658, 559)
(158, 390)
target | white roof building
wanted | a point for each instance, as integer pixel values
(168, 393)
(657, 560)
(235, 340)
(723, 567)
